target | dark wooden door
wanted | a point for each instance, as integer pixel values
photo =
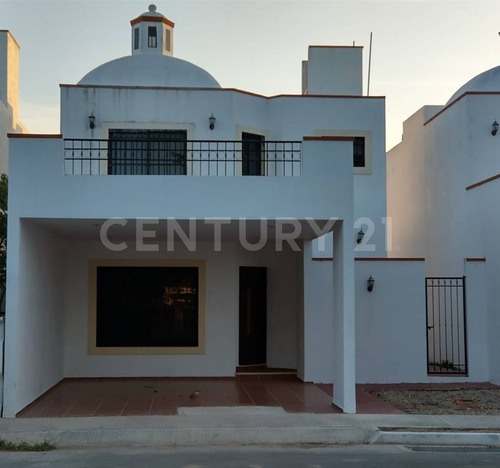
(252, 149)
(253, 316)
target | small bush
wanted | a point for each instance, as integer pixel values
(44, 446)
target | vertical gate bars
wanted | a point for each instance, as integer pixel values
(446, 322)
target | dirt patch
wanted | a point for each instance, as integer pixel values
(437, 401)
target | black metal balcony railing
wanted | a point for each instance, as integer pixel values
(188, 157)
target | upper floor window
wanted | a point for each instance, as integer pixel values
(147, 152)
(168, 45)
(136, 38)
(359, 152)
(152, 39)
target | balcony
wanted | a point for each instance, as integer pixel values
(40, 189)
(183, 157)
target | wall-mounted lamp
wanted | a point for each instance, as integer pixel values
(369, 283)
(361, 234)
(494, 128)
(91, 121)
(211, 121)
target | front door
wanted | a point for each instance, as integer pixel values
(253, 316)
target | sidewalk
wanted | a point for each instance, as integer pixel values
(198, 426)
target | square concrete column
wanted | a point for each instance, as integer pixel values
(344, 345)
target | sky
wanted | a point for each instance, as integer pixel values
(423, 51)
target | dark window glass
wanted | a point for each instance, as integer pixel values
(152, 42)
(167, 40)
(147, 306)
(252, 149)
(359, 152)
(147, 152)
(136, 38)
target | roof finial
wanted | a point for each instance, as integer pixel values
(152, 8)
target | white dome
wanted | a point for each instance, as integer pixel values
(486, 81)
(150, 70)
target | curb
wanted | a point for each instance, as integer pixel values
(198, 437)
(491, 439)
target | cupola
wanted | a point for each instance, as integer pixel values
(152, 33)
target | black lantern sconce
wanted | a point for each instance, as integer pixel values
(361, 234)
(92, 121)
(369, 284)
(494, 128)
(211, 121)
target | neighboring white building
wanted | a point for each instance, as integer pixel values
(443, 186)
(9, 95)
(9, 123)
(151, 145)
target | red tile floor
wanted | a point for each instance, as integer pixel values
(162, 396)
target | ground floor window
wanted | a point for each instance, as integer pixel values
(146, 307)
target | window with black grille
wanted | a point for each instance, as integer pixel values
(359, 152)
(147, 152)
(152, 36)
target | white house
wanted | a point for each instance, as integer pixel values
(9, 123)
(442, 192)
(9, 95)
(177, 228)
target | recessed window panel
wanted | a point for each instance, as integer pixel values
(168, 44)
(146, 307)
(359, 152)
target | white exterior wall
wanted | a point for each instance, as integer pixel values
(487, 225)
(391, 325)
(5, 127)
(435, 217)
(426, 190)
(388, 346)
(9, 95)
(222, 313)
(40, 190)
(280, 118)
(427, 174)
(2, 340)
(391, 344)
(335, 70)
(447, 151)
(406, 198)
(9, 73)
(34, 323)
(318, 318)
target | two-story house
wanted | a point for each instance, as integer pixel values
(178, 228)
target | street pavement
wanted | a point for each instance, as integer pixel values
(251, 457)
(253, 426)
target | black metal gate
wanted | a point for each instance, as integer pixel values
(446, 326)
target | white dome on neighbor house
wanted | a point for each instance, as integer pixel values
(486, 81)
(150, 70)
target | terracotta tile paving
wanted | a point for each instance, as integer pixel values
(162, 396)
